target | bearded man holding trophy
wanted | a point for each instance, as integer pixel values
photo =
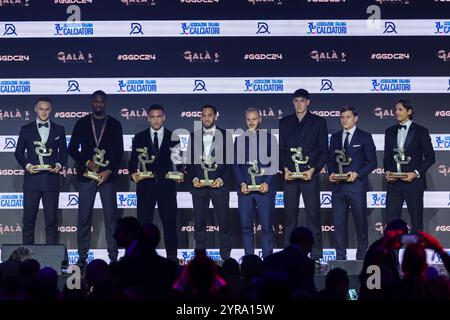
(96, 146)
(352, 157)
(408, 154)
(255, 167)
(44, 143)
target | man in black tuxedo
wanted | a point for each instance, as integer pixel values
(213, 142)
(414, 140)
(308, 131)
(102, 133)
(359, 146)
(41, 184)
(158, 141)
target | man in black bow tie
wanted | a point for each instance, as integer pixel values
(45, 144)
(414, 141)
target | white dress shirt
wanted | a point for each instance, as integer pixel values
(160, 135)
(208, 139)
(350, 136)
(401, 135)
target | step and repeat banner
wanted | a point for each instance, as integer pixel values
(234, 55)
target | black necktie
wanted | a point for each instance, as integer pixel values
(347, 134)
(43, 125)
(156, 142)
(401, 126)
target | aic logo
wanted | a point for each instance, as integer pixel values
(10, 30)
(442, 27)
(74, 29)
(383, 113)
(378, 199)
(203, 56)
(200, 28)
(263, 85)
(442, 142)
(327, 27)
(391, 85)
(15, 86)
(327, 56)
(75, 57)
(136, 86)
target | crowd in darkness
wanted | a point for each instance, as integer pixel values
(287, 275)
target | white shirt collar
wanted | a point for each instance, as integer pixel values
(160, 131)
(408, 124)
(352, 131)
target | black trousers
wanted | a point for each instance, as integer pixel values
(147, 198)
(87, 192)
(414, 201)
(310, 190)
(341, 202)
(50, 201)
(221, 202)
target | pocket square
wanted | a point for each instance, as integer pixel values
(57, 138)
(356, 145)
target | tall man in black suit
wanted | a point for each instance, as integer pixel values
(213, 142)
(158, 189)
(96, 146)
(309, 132)
(415, 142)
(47, 138)
(357, 147)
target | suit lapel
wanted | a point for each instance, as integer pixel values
(35, 133)
(52, 133)
(410, 135)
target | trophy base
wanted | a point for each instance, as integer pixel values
(254, 187)
(298, 175)
(398, 175)
(175, 175)
(206, 183)
(340, 177)
(145, 175)
(93, 175)
(43, 167)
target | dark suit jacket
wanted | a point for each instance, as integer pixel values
(112, 143)
(417, 146)
(242, 153)
(311, 134)
(223, 170)
(42, 181)
(162, 163)
(362, 150)
(296, 265)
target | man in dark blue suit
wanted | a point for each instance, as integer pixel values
(256, 145)
(39, 184)
(212, 142)
(357, 145)
(158, 141)
(309, 132)
(415, 142)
